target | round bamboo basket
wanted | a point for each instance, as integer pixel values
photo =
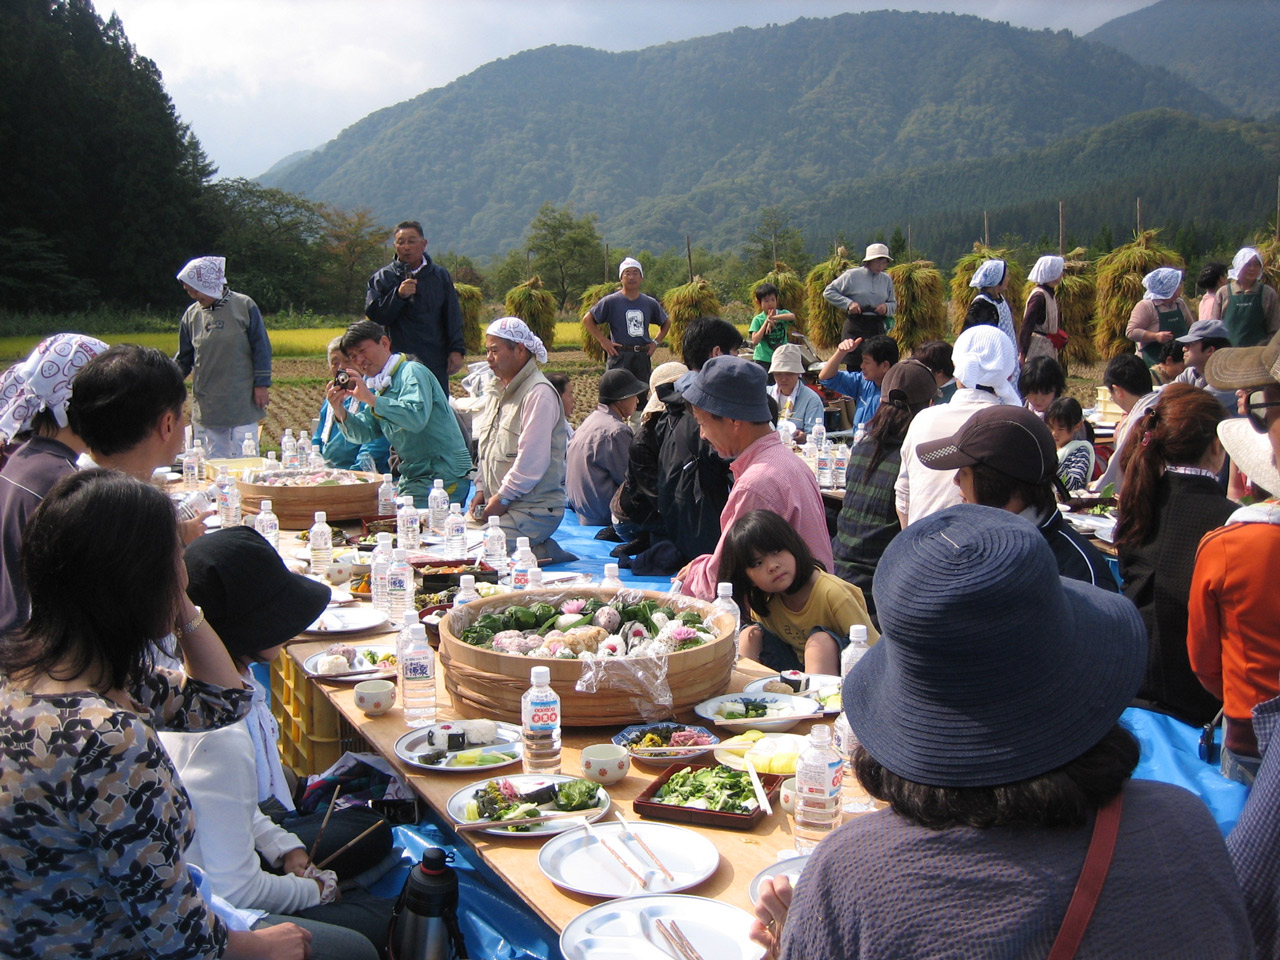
(489, 684)
(295, 507)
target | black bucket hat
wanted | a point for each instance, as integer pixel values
(990, 667)
(248, 595)
(619, 383)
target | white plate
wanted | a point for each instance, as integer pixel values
(783, 743)
(456, 806)
(580, 863)
(792, 867)
(817, 681)
(800, 708)
(313, 661)
(414, 743)
(347, 620)
(627, 929)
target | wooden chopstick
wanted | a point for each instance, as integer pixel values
(626, 826)
(347, 846)
(689, 949)
(333, 802)
(586, 825)
(671, 751)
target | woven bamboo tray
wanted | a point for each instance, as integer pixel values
(296, 506)
(485, 683)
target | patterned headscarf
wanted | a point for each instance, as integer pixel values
(1047, 269)
(43, 381)
(989, 274)
(1242, 257)
(516, 330)
(208, 275)
(1161, 283)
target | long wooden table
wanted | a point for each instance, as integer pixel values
(743, 854)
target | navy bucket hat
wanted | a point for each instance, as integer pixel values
(990, 667)
(729, 387)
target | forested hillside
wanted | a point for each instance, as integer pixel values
(697, 136)
(1227, 48)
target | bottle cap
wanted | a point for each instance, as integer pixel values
(386, 478)
(222, 470)
(494, 522)
(457, 508)
(535, 576)
(439, 484)
(724, 589)
(467, 581)
(266, 507)
(321, 516)
(540, 675)
(522, 543)
(858, 633)
(417, 631)
(384, 539)
(611, 571)
(398, 554)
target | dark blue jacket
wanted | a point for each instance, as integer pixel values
(428, 325)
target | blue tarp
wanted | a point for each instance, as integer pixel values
(594, 554)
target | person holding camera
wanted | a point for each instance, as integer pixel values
(405, 404)
(336, 449)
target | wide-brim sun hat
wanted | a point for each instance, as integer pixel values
(1251, 452)
(729, 387)
(1243, 368)
(990, 667)
(620, 383)
(663, 373)
(876, 251)
(249, 597)
(787, 359)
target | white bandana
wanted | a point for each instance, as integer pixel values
(1161, 283)
(1241, 259)
(43, 381)
(1047, 270)
(988, 275)
(517, 331)
(207, 275)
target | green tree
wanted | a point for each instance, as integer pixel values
(566, 250)
(353, 247)
(773, 240)
(898, 245)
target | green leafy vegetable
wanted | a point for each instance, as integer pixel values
(710, 788)
(576, 794)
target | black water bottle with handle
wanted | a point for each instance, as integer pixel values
(424, 925)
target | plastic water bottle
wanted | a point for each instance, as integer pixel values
(386, 497)
(268, 525)
(321, 540)
(860, 433)
(466, 590)
(455, 533)
(818, 776)
(535, 578)
(288, 450)
(495, 545)
(272, 463)
(840, 467)
(197, 502)
(417, 676)
(825, 464)
(437, 508)
(379, 567)
(540, 724)
(857, 647)
(234, 514)
(819, 433)
(399, 586)
(724, 601)
(611, 580)
(408, 524)
(198, 450)
(250, 446)
(190, 478)
(521, 562)
(316, 460)
(225, 485)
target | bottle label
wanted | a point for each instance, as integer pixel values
(520, 578)
(397, 582)
(820, 780)
(543, 714)
(419, 668)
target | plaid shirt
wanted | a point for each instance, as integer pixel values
(868, 516)
(1254, 844)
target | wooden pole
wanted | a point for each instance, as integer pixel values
(688, 252)
(1139, 214)
(1278, 209)
(1062, 231)
(909, 257)
(775, 250)
(606, 263)
(986, 230)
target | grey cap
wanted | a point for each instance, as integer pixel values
(1205, 330)
(730, 387)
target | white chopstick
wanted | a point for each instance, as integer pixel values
(761, 797)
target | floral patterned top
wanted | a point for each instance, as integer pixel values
(94, 822)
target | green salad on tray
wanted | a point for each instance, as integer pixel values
(710, 788)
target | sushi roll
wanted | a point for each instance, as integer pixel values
(478, 732)
(794, 679)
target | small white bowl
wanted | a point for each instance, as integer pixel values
(605, 763)
(375, 697)
(787, 796)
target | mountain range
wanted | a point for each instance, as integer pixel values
(852, 124)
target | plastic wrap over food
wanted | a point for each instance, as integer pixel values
(645, 678)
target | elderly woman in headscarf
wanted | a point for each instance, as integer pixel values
(1161, 315)
(33, 410)
(1040, 335)
(1246, 305)
(990, 306)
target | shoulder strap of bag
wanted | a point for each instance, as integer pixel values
(1097, 862)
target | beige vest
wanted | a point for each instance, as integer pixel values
(500, 433)
(1040, 344)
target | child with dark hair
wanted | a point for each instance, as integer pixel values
(936, 355)
(1212, 276)
(1076, 457)
(802, 612)
(1041, 382)
(771, 327)
(1172, 363)
(879, 353)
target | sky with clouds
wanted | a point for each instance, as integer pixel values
(260, 79)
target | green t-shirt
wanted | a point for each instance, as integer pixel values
(775, 338)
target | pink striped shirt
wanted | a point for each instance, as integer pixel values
(767, 476)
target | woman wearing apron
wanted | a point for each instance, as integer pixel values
(1039, 335)
(1161, 315)
(1246, 305)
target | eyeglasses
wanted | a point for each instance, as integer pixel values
(1254, 405)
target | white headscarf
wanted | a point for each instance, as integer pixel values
(986, 357)
(1242, 257)
(629, 262)
(516, 330)
(208, 275)
(43, 381)
(1047, 269)
(1161, 283)
(989, 274)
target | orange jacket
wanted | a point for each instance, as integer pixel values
(1233, 622)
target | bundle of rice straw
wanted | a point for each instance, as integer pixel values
(535, 306)
(962, 294)
(1267, 245)
(922, 304)
(1120, 274)
(685, 304)
(590, 297)
(825, 320)
(791, 292)
(471, 300)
